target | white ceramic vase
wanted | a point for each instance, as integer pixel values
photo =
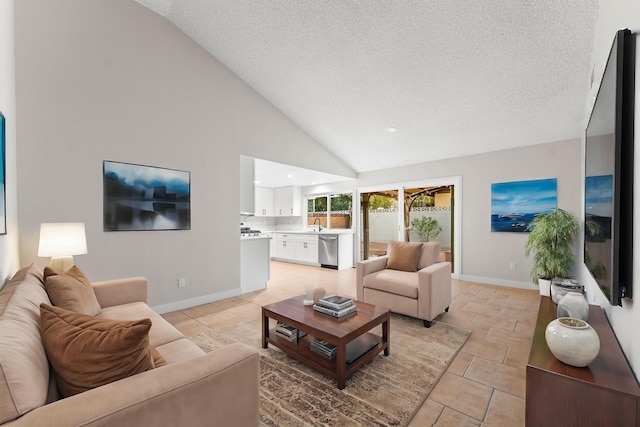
(545, 287)
(573, 304)
(572, 341)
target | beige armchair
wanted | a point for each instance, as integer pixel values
(410, 280)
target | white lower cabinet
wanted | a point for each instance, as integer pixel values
(296, 247)
(306, 249)
(285, 246)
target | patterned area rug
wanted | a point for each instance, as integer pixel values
(385, 392)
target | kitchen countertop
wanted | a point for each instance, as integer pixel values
(324, 231)
(262, 236)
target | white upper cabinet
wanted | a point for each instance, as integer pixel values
(287, 201)
(264, 201)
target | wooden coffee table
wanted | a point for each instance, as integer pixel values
(350, 335)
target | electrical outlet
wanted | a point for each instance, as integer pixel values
(182, 282)
(512, 266)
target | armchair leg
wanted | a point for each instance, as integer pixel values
(427, 323)
(446, 310)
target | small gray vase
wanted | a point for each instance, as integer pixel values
(575, 305)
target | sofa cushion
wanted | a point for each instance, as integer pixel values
(24, 369)
(71, 290)
(157, 358)
(162, 332)
(87, 352)
(404, 256)
(179, 350)
(397, 282)
(430, 254)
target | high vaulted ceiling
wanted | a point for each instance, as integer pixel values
(454, 77)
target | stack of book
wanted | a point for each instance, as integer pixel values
(289, 333)
(335, 305)
(323, 348)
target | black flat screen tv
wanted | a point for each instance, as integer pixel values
(608, 226)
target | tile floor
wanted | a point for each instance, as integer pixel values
(484, 385)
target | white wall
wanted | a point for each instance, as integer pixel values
(9, 261)
(616, 15)
(486, 255)
(111, 80)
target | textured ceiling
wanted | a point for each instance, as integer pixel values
(454, 77)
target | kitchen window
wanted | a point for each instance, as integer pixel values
(332, 211)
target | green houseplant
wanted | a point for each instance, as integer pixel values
(426, 228)
(551, 242)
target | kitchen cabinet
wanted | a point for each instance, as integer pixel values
(285, 246)
(296, 247)
(306, 248)
(264, 201)
(287, 201)
(302, 248)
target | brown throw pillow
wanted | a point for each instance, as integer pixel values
(87, 352)
(404, 256)
(71, 290)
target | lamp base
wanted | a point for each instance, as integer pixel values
(61, 263)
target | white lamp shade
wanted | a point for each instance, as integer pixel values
(62, 239)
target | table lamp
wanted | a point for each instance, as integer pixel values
(61, 241)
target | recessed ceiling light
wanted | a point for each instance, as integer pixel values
(290, 175)
(391, 129)
(256, 182)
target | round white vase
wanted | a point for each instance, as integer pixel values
(572, 341)
(573, 304)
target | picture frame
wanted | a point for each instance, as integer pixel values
(145, 198)
(515, 204)
(3, 187)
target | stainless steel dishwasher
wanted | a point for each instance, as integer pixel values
(328, 250)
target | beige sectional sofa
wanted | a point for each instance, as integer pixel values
(193, 389)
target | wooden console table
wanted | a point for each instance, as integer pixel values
(605, 393)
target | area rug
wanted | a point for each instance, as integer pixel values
(385, 392)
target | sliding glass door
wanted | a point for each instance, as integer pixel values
(412, 212)
(378, 222)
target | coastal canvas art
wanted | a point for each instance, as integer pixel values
(515, 204)
(3, 208)
(138, 197)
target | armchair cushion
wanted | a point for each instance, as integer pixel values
(430, 254)
(404, 256)
(402, 283)
(71, 290)
(87, 352)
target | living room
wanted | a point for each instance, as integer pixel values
(80, 91)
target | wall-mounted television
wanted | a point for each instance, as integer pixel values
(608, 226)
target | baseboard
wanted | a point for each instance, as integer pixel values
(192, 302)
(498, 282)
(295, 261)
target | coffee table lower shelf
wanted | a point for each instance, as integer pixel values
(361, 350)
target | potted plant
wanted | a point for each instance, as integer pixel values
(551, 241)
(426, 228)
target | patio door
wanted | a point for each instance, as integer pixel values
(378, 222)
(386, 213)
(429, 216)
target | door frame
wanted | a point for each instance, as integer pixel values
(455, 181)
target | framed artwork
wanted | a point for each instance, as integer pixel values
(515, 204)
(138, 198)
(3, 165)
